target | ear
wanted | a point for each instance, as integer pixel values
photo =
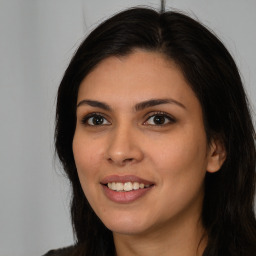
(216, 155)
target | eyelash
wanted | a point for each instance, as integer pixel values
(91, 115)
(168, 117)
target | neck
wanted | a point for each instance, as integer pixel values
(177, 239)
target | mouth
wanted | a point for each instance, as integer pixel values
(125, 189)
(127, 186)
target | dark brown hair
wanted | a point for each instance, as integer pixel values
(228, 215)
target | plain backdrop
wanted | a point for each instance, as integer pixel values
(37, 40)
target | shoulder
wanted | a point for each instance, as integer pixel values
(61, 252)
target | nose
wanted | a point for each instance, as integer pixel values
(124, 147)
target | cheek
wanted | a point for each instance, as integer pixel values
(88, 157)
(180, 155)
(181, 167)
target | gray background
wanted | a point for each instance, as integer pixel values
(37, 40)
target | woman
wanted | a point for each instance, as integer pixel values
(154, 133)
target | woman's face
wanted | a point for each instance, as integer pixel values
(140, 131)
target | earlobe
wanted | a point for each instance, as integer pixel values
(216, 155)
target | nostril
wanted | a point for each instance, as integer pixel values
(127, 161)
(120, 160)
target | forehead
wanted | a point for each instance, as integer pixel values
(138, 76)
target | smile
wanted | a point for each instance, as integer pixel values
(127, 186)
(125, 189)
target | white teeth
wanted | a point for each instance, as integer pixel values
(119, 186)
(127, 186)
(113, 185)
(136, 185)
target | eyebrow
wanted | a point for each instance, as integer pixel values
(138, 107)
(155, 102)
(94, 103)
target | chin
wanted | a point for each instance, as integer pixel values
(127, 229)
(125, 225)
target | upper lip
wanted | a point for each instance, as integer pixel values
(125, 178)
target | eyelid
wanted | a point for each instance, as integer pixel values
(160, 113)
(86, 117)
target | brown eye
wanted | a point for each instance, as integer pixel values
(95, 120)
(159, 119)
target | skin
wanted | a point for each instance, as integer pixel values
(175, 156)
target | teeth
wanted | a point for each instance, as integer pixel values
(113, 185)
(136, 185)
(119, 186)
(127, 186)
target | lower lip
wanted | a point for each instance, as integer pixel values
(125, 197)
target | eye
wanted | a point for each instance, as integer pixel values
(95, 120)
(160, 119)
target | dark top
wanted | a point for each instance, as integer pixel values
(61, 252)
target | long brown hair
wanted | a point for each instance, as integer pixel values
(228, 215)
